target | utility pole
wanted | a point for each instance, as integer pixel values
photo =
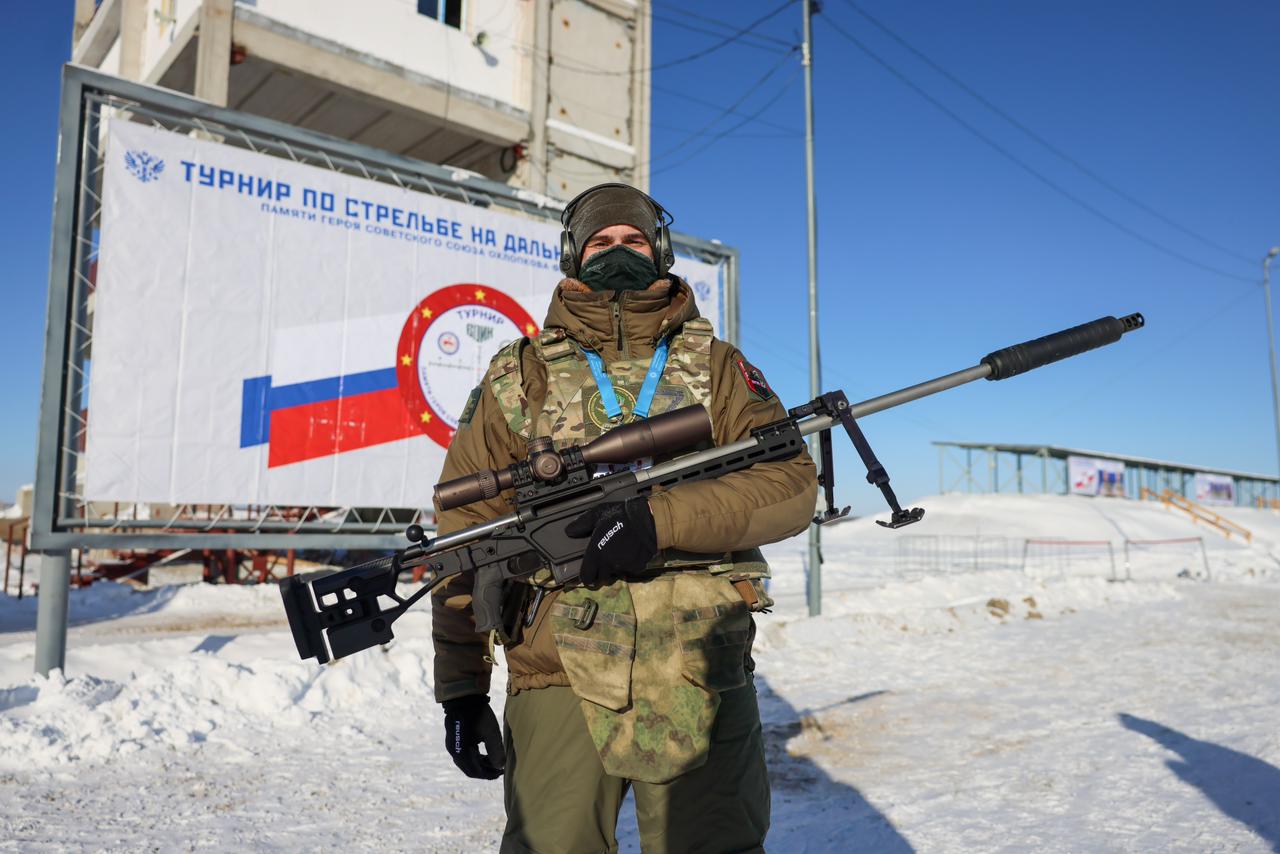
(51, 612)
(813, 584)
(1271, 340)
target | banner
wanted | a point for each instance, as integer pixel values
(267, 332)
(1215, 489)
(1093, 476)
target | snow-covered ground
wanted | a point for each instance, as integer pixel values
(947, 700)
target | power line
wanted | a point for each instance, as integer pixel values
(1197, 326)
(772, 45)
(738, 36)
(1022, 164)
(783, 130)
(532, 51)
(726, 111)
(786, 87)
(731, 131)
(724, 42)
(726, 25)
(732, 109)
(762, 135)
(757, 338)
(723, 111)
(693, 99)
(1049, 146)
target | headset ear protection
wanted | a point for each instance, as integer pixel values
(664, 254)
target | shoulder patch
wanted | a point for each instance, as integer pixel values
(470, 409)
(756, 383)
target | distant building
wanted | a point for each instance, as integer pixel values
(993, 467)
(548, 96)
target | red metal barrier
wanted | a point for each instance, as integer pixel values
(21, 542)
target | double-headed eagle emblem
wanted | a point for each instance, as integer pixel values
(145, 167)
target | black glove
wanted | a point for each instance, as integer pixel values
(468, 722)
(623, 539)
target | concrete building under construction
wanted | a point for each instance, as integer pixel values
(547, 95)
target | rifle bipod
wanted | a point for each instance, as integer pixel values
(835, 405)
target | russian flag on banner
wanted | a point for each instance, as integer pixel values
(319, 418)
(321, 400)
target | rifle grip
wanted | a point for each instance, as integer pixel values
(486, 599)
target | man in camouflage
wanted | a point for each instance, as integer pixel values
(640, 677)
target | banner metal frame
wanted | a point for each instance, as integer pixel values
(61, 517)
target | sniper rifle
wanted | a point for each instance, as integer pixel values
(333, 615)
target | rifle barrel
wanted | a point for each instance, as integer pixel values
(998, 365)
(818, 423)
(915, 392)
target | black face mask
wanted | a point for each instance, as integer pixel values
(619, 268)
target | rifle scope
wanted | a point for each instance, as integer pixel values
(660, 435)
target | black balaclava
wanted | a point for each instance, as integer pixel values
(618, 268)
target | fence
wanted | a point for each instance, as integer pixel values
(934, 554)
(915, 556)
(1149, 557)
(1059, 558)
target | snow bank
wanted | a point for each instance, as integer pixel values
(1068, 517)
(109, 600)
(201, 668)
(238, 694)
(862, 549)
(947, 604)
(235, 696)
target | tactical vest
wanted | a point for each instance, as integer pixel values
(572, 412)
(648, 659)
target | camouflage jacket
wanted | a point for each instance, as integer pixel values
(764, 504)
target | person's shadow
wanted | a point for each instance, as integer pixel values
(811, 812)
(1241, 786)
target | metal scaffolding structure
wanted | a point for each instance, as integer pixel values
(1002, 468)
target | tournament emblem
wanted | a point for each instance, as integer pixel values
(445, 348)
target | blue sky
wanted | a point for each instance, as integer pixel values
(934, 247)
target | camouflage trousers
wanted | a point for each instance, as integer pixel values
(559, 799)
